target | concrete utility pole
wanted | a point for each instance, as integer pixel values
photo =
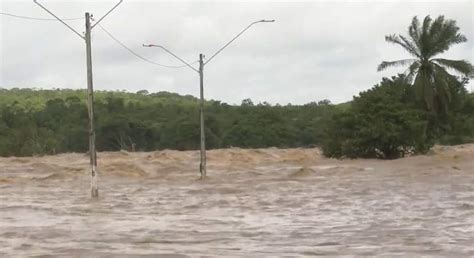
(202, 166)
(90, 101)
(90, 92)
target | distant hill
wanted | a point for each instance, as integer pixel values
(37, 98)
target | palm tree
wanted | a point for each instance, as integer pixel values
(429, 74)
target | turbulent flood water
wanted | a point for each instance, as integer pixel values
(264, 202)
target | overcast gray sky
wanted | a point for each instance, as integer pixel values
(315, 50)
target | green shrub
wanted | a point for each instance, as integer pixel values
(383, 123)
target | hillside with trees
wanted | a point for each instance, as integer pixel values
(39, 122)
(36, 122)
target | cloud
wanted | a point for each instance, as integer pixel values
(314, 50)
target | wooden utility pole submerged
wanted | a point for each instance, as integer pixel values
(90, 91)
(90, 105)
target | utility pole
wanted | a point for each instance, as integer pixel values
(90, 102)
(202, 165)
(90, 92)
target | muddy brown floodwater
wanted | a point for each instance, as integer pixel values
(264, 202)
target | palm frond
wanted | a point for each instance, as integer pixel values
(411, 44)
(386, 64)
(412, 71)
(426, 25)
(451, 78)
(414, 31)
(396, 40)
(424, 41)
(443, 34)
(436, 25)
(461, 66)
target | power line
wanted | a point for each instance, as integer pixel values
(107, 32)
(137, 55)
(38, 19)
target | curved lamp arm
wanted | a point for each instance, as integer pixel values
(228, 43)
(171, 53)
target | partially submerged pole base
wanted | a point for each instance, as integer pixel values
(94, 192)
(94, 184)
(202, 169)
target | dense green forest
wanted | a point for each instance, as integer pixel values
(36, 122)
(53, 121)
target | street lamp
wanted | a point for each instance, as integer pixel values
(90, 89)
(200, 71)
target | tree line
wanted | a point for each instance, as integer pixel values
(36, 122)
(384, 119)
